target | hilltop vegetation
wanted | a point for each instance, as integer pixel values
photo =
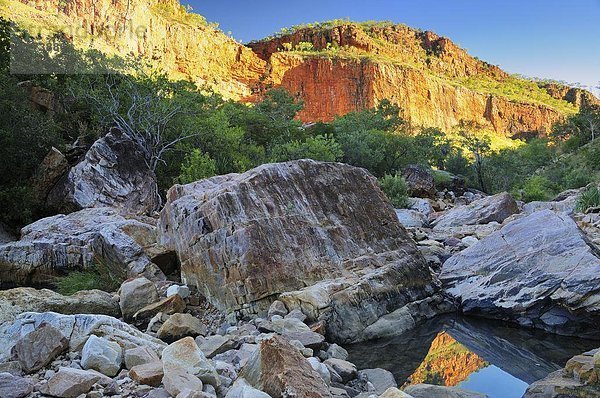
(189, 134)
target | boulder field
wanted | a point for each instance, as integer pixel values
(277, 267)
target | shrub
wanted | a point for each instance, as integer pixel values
(537, 188)
(577, 178)
(321, 147)
(396, 189)
(588, 199)
(100, 275)
(197, 166)
(592, 157)
(442, 179)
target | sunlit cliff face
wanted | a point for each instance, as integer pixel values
(447, 363)
(334, 70)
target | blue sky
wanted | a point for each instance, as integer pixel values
(543, 38)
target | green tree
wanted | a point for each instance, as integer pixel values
(396, 189)
(322, 148)
(197, 166)
(479, 146)
(581, 128)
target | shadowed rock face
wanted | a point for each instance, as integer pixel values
(113, 173)
(56, 245)
(243, 239)
(536, 271)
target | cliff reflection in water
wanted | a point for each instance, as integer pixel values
(447, 350)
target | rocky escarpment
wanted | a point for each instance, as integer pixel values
(321, 234)
(349, 67)
(180, 43)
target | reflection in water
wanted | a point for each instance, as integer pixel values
(447, 363)
(475, 354)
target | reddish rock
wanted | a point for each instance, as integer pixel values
(150, 373)
(170, 305)
(279, 369)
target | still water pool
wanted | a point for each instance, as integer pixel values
(478, 355)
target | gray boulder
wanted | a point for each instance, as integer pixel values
(178, 380)
(26, 299)
(70, 383)
(38, 348)
(564, 206)
(214, 345)
(102, 355)
(56, 245)
(483, 211)
(420, 181)
(241, 389)
(15, 386)
(335, 351)
(346, 370)
(139, 356)
(411, 218)
(78, 328)
(185, 354)
(135, 294)
(179, 326)
(421, 205)
(302, 228)
(536, 271)
(381, 379)
(113, 173)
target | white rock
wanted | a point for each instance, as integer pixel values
(186, 354)
(181, 290)
(102, 355)
(78, 328)
(321, 369)
(241, 389)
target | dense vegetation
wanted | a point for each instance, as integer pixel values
(189, 134)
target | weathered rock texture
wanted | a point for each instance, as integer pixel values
(536, 271)
(26, 299)
(100, 236)
(113, 173)
(495, 208)
(279, 369)
(181, 44)
(426, 75)
(243, 239)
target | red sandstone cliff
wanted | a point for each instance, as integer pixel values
(346, 66)
(349, 67)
